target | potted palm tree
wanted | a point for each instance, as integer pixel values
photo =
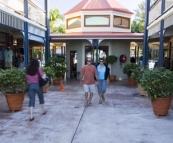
(158, 83)
(13, 85)
(58, 68)
(111, 59)
(128, 70)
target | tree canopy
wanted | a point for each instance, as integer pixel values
(55, 15)
(139, 20)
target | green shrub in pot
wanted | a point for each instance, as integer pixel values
(13, 81)
(58, 65)
(111, 59)
(158, 82)
(128, 68)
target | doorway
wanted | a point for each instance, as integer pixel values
(73, 64)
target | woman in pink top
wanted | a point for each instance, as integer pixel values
(33, 72)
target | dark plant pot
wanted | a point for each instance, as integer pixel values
(56, 81)
(131, 81)
(15, 101)
(161, 106)
(141, 91)
(112, 78)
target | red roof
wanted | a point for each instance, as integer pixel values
(98, 35)
(97, 5)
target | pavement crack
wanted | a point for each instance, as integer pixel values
(78, 125)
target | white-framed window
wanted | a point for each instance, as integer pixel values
(97, 21)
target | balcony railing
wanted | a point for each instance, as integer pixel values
(14, 5)
(36, 14)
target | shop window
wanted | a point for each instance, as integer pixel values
(121, 22)
(95, 21)
(102, 53)
(74, 22)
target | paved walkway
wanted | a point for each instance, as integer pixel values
(125, 117)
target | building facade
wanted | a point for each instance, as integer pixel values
(24, 29)
(158, 41)
(97, 29)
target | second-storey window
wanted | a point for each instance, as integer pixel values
(74, 22)
(97, 20)
(121, 22)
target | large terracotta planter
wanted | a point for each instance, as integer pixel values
(112, 78)
(161, 106)
(45, 87)
(56, 81)
(15, 101)
(141, 90)
(131, 81)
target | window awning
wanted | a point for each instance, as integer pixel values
(36, 38)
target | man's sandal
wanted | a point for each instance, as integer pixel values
(100, 101)
(31, 119)
(90, 104)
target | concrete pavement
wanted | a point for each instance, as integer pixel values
(125, 117)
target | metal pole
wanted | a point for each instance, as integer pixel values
(47, 33)
(161, 46)
(93, 40)
(25, 40)
(97, 46)
(145, 44)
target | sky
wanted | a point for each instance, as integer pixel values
(66, 5)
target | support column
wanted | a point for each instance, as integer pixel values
(25, 35)
(161, 46)
(97, 46)
(26, 44)
(145, 44)
(93, 41)
(47, 33)
(135, 53)
(162, 31)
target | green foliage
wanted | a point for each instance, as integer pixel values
(59, 29)
(129, 68)
(139, 20)
(137, 74)
(111, 59)
(54, 15)
(37, 54)
(57, 65)
(49, 71)
(157, 82)
(13, 81)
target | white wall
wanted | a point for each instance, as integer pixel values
(79, 46)
(116, 47)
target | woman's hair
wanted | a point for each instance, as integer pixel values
(32, 68)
